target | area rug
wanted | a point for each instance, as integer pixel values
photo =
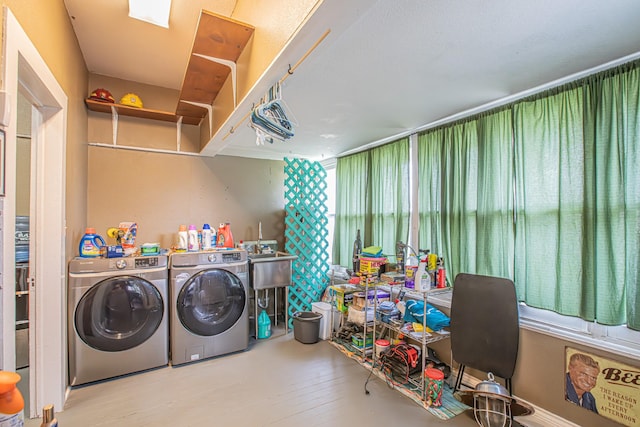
(450, 405)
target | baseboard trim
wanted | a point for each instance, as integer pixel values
(540, 416)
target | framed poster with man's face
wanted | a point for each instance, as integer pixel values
(606, 387)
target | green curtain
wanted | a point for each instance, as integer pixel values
(430, 152)
(494, 224)
(550, 190)
(544, 191)
(466, 194)
(390, 196)
(353, 209)
(459, 196)
(616, 200)
(372, 195)
(577, 163)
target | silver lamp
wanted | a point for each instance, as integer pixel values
(492, 404)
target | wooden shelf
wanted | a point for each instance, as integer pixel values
(216, 37)
(143, 113)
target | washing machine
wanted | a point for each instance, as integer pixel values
(118, 316)
(209, 311)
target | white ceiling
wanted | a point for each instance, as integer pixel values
(385, 69)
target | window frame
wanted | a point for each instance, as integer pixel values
(619, 339)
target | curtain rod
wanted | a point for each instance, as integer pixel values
(290, 72)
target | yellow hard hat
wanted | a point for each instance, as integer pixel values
(132, 100)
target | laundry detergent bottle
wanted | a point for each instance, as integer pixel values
(11, 400)
(90, 244)
(194, 244)
(264, 325)
(183, 238)
(206, 237)
(225, 238)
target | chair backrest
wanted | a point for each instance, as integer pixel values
(485, 328)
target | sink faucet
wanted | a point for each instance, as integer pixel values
(258, 248)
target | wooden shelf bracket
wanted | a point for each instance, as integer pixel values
(179, 133)
(114, 124)
(229, 64)
(209, 108)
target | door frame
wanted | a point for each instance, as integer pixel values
(24, 70)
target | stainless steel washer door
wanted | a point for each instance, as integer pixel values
(119, 313)
(211, 302)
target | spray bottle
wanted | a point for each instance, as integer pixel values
(423, 279)
(410, 271)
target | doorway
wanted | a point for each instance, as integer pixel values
(22, 243)
(24, 71)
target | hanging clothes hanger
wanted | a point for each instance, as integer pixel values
(269, 118)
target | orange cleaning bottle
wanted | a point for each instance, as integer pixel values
(11, 401)
(225, 237)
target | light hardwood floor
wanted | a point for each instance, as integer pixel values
(277, 382)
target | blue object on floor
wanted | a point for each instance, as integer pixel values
(264, 325)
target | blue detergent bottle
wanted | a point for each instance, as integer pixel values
(264, 325)
(90, 244)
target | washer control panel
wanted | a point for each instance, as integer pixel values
(231, 257)
(147, 262)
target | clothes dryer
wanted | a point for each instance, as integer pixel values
(118, 313)
(209, 311)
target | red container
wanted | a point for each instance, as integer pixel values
(435, 380)
(441, 280)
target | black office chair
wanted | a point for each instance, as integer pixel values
(485, 327)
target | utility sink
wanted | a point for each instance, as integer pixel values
(270, 270)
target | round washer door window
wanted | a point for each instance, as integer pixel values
(119, 313)
(211, 302)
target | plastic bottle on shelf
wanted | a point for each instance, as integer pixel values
(264, 325)
(225, 238)
(11, 400)
(214, 238)
(193, 245)
(183, 238)
(206, 237)
(441, 274)
(410, 272)
(229, 238)
(90, 244)
(423, 278)
(432, 264)
(220, 236)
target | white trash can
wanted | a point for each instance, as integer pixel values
(324, 308)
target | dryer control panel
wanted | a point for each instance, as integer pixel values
(147, 262)
(231, 257)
